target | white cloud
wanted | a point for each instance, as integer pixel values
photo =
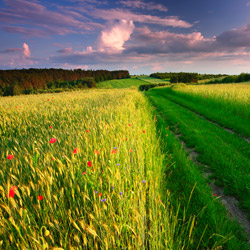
(26, 51)
(113, 38)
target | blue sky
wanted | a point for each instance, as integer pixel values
(140, 36)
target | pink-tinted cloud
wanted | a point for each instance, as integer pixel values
(65, 50)
(137, 4)
(17, 57)
(121, 14)
(25, 31)
(35, 14)
(146, 41)
(235, 38)
(12, 50)
(113, 38)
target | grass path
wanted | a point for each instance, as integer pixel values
(218, 104)
(225, 153)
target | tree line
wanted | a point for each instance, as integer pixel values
(184, 77)
(243, 77)
(26, 81)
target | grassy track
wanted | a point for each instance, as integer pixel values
(98, 186)
(226, 154)
(120, 84)
(226, 104)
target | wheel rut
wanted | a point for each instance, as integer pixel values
(231, 203)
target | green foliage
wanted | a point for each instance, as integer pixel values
(243, 77)
(178, 77)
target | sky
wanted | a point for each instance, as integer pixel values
(142, 36)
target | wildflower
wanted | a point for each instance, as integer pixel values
(144, 131)
(143, 181)
(129, 125)
(112, 187)
(114, 151)
(52, 140)
(102, 200)
(10, 157)
(84, 173)
(75, 151)
(89, 163)
(87, 131)
(121, 193)
(96, 152)
(96, 192)
(118, 164)
(50, 127)
(126, 139)
(12, 192)
(48, 100)
(115, 147)
(40, 197)
(215, 195)
(130, 150)
(52, 159)
(100, 194)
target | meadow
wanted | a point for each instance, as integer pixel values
(101, 169)
(120, 84)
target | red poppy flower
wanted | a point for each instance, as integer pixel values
(16, 107)
(87, 131)
(100, 194)
(75, 151)
(12, 192)
(84, 173)
(129, 125)
(114, 151)
(126, 139)
(52, 140)
(10, 157)
(214, 194)
(50, 127)
(89, 163)
(96, 152)
(144, 131)
(52, 159)
(40, 197)
(130, 150)
(48, 100)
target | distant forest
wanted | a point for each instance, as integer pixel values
(29, 81)
(184, 77)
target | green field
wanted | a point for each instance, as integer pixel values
(120, 84)
(149, 79)
(103, 169)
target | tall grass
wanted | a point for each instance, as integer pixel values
(97, 187)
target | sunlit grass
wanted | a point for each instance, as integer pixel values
(97, 186)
